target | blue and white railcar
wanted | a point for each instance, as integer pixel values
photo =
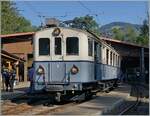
(67, 59)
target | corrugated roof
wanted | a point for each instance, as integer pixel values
(16, 34)
(122, 42)
(11, 55)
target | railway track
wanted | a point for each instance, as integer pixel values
(35, 107)
(24, 108)
(130, 107)
(133, 105)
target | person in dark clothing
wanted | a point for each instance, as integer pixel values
(6, 75)
(3, 77)
(12, 79)
(31, 75)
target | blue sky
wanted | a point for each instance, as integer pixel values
(107, 12)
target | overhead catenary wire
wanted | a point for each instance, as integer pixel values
(41, 15)
(90, 11)
(38, 14)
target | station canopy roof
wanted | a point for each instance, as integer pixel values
(6, 54)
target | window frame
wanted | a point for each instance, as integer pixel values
(111, 58)
(78, 49)
(92, 50)
(114, 58)
(107, 56)
(49, 52)
(55, 46)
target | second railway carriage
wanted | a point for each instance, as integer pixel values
(72, 60)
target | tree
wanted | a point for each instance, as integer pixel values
(12, 21)
(143, 38)
(86, 22)
(118, 34)
(130, 35)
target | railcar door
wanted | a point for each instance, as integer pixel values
(57, 65)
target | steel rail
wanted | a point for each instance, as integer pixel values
(133, 105)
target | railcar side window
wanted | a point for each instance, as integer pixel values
(72, 46)
(110, 58)
(90, 47)
(44, 46)
(58, 46)
(107, 56)
(118, 61)
(113, 59)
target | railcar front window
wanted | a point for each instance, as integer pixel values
(90, 47)
(72, 46)
(58, 46)
(44, 46)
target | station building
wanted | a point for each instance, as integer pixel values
(8, 60)
(19, 46)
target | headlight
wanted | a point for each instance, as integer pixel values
(74, 70)
(40, 70)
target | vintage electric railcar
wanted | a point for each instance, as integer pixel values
(68, 60)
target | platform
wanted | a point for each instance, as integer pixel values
(102, 104)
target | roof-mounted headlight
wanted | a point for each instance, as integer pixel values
(56, 32)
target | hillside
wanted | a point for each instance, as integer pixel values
(106, 30)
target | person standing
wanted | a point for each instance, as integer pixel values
(3, 72)
(12, 79)
(31, 75)
(7, 78)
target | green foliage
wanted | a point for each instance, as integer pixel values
(143, 38)
(86, 22)
(127, 35)
(12, 21)
(130, 35)
(118, 34)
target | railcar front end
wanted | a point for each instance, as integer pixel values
(61, 61)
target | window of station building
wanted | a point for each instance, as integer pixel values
(90, 47)
(107, 56)
(44, 46)
(110, 58)
(72, 46)
(58, 46)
